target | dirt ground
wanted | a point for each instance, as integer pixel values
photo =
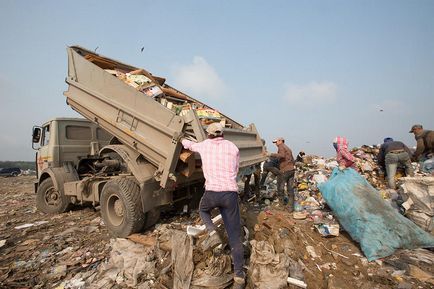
(40, 251)
(35, 257)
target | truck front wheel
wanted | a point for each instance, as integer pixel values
(121, 207)
(50, 200)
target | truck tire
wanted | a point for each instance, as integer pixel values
(49, 200)
(121, 207)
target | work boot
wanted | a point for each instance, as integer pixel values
(239, 283)
(211, 241)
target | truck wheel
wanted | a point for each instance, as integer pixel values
(49, 200)
(121, 207)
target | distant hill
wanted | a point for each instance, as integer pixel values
(18, 164)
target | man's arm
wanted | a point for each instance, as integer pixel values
(279, 155)
(238, 160)
(420, 147)
(291, 156)
(347, 155)
(190, 145)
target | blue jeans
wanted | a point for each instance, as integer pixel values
(392, 160)
(227, 203)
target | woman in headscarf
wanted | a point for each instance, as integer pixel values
(344, 158)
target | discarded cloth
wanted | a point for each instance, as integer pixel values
(216, 275)
(268, 270)
(369, 220)
(182, 260)
(418, 193)
(128, 261)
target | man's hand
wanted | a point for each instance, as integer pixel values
(185, 143)
(342, 167)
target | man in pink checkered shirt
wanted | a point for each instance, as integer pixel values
(220, 163)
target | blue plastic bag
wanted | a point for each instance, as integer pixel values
(369, 220)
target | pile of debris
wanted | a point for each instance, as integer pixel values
(307, 248)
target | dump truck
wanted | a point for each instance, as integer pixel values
(126, 155)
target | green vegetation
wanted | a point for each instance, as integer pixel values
(18, 164)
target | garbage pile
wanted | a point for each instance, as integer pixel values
(166, 257)
(307, 248)
(314, 170)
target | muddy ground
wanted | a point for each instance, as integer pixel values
(41, 251)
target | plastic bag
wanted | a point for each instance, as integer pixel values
(368, 219)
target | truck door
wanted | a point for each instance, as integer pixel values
(43, 159)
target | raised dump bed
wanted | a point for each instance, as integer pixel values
(146, 114)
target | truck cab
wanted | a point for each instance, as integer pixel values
(66, 140)
(64, 149)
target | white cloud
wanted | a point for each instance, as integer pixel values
(199, 79)
(313, 92)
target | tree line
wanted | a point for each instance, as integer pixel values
(18, 164)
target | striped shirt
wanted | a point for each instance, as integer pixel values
(220, 163)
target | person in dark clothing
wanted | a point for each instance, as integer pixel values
(299, 158)
(425, 147)
(248, 189)
(287, 171)
(393, 153)
(271, 165)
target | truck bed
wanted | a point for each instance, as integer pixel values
(145, 113)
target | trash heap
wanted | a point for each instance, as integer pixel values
(166, 257)
(314, 170)
(306, 248)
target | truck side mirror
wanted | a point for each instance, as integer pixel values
(36, 136)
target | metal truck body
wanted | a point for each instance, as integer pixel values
(143, 168)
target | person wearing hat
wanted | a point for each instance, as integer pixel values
(287, 170)
(220, 163)
(424, 147)
(393, 153)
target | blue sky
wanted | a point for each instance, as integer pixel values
(304, 70)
